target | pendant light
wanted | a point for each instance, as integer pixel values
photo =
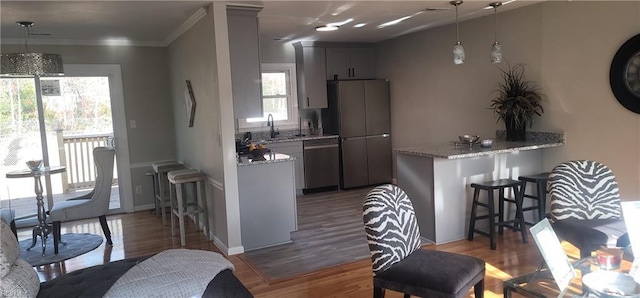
(496, 49)
(30, 64)
(458, 49)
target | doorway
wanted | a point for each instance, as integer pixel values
(81, 110)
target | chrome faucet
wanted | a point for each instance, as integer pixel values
(270, 123)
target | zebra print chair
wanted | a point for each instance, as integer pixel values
(398, 262)
(585, 206)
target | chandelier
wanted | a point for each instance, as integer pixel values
(30, 64)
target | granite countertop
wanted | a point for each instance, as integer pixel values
(453, 150)
(269, 157)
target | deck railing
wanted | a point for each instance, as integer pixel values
(76, 153)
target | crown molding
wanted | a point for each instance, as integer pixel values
(199, 14)
(76, 42)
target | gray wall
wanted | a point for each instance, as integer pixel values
(145, 80)
(192, 57)
(276, 51)
(567, 48)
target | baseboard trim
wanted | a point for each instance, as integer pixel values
(226, 250)
(144, 207)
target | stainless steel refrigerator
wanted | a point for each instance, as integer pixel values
(359, 111)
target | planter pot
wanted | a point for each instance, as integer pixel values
(515, 132)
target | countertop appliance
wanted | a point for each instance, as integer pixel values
(359, 111)
(321, 165)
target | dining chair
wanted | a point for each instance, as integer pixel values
(585, 206)
(398, 262)
(94, 204)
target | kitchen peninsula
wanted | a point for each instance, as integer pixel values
(268, 212)
(437, 177)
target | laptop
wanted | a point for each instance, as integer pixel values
(631, 213)
(553, 254)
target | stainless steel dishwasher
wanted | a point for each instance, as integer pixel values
(321, 164)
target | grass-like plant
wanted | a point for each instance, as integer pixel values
(517, 100)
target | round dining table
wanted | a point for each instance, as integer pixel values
(42, 229)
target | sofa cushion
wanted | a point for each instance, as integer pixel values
(89, 282)
(21, 281)
(9, 249)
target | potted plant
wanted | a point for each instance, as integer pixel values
(516, 102)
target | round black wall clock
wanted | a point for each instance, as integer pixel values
(624, 75)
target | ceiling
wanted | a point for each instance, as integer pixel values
(157, 23)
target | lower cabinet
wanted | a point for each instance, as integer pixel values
(295, 149)
(268, 211)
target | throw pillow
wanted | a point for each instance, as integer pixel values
(9, 249)
(22, 281)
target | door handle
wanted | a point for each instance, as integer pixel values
(353, 72)
(307, 101)
(321, 147)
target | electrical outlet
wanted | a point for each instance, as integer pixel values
(138, 189)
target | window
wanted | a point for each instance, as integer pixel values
(278, 98)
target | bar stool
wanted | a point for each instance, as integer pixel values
(161, 185)
(516, 224)
(181, 206)
(152, 174)
(541, 193)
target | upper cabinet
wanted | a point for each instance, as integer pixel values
(350, 63)
(244, 48)
(310, 75)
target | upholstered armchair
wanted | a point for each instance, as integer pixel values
(400, 265)
(95, 204)
(585, 206)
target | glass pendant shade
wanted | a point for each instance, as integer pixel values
(458, 53)
(496, 49)
(458, 49)
(496, 53)
(40, 64)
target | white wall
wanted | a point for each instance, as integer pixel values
(567, 48)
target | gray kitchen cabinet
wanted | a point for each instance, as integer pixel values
(267, 198)
(244, 48)
(350, 63)
(294, 149)
(310, 75)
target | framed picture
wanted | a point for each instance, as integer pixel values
(553, 254)
(190, 103)
(50, 87)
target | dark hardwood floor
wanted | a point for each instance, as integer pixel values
(142, 233)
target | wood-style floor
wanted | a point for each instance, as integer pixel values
(142, 233)
(330, 232)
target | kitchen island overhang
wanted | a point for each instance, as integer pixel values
(437, 179)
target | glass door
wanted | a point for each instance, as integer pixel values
(20, 141)
(73, 118)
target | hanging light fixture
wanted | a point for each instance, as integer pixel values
(458, 49)
(496, 49)
(30, 64)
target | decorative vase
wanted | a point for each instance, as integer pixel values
(515, 132)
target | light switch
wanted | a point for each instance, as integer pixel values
(132, 123)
